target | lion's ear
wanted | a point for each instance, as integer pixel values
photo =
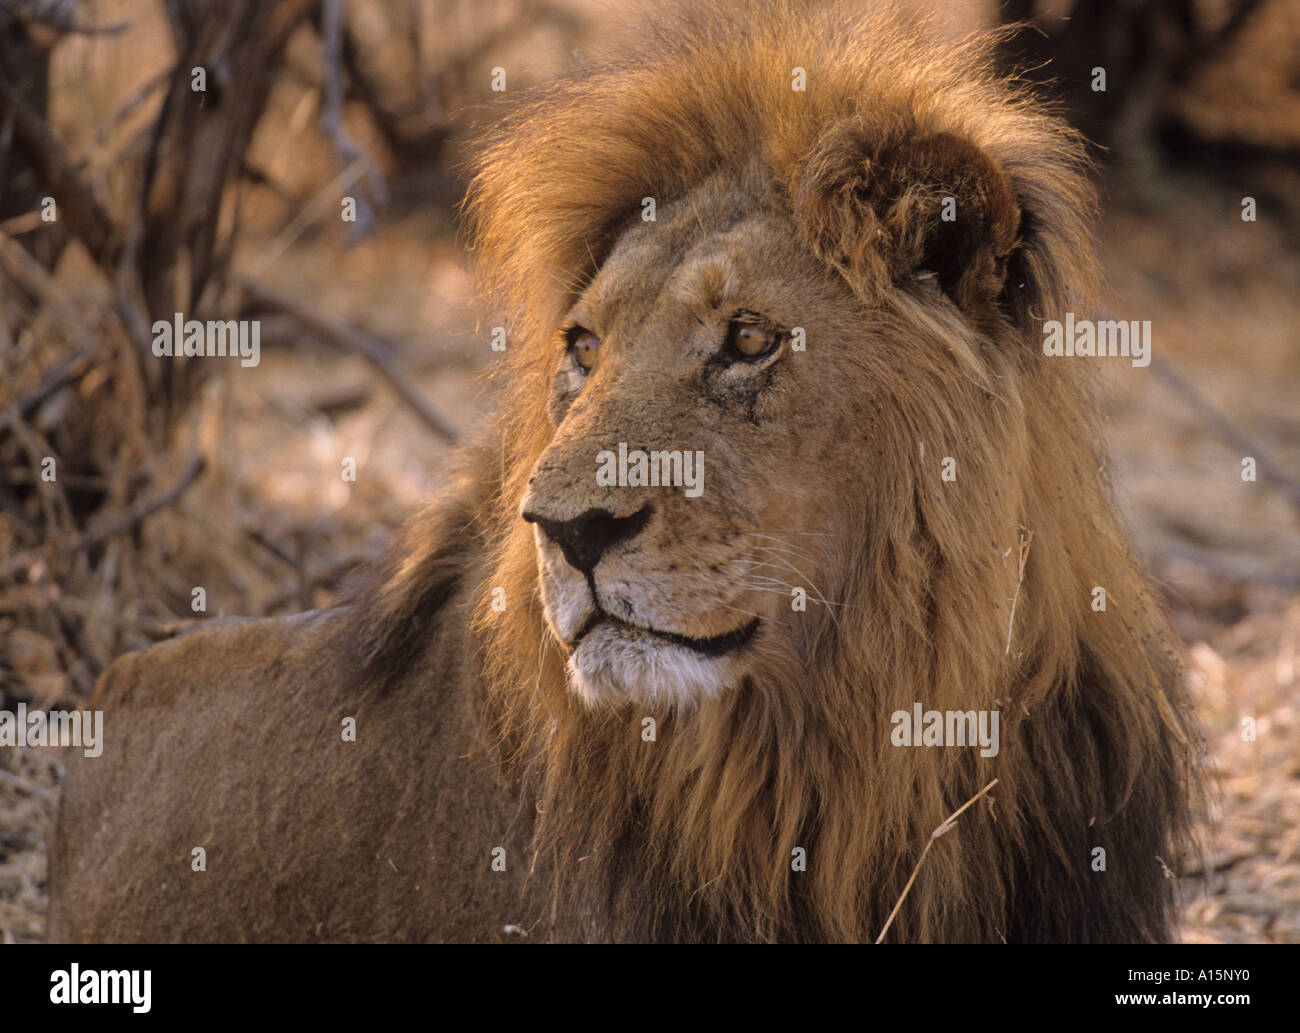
(916, 205)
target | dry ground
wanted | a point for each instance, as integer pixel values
(274, 437)
(1224, 300)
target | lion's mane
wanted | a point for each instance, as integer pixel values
(692, 836)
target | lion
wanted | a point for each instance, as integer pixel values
(780, 465)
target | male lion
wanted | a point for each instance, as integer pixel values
(593, 705)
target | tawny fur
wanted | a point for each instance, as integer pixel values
(691, 836)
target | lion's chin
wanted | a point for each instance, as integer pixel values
(617, 664)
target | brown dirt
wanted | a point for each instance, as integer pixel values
(1223, 297)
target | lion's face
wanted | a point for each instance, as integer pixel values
(704, 451)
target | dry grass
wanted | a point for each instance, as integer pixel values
(270, 526)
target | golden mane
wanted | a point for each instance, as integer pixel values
(692, 836)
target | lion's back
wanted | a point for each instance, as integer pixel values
(239, 796)
(103, 866)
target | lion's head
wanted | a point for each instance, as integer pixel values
(676, 503)
(773, 320)
(795, 268)
(737, 398)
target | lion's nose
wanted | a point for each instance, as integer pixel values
(587, 537)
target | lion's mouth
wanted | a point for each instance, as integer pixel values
(718, 645)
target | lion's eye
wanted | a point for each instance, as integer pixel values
(752, 340)
(583, 345)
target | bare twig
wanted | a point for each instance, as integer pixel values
(66, 372)
(277, 550)
(1269, 468)
(132, 104)
(18, 264)
(118, 523)
(1025, 537)
(306, 587)
(84, 215)
(347, 149)
(1213, 42)
(26, 785)
(946, 825)
(324, 200)
(349, 338)
(1227, 565)
(331, 572)
(57, 19)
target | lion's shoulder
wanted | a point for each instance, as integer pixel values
(219, 656)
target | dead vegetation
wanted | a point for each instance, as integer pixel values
(173, 476)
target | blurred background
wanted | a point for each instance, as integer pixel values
(313, 183)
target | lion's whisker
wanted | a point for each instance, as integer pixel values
(738, 609)
(796, 570)
(777, 591)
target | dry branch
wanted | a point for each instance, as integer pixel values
(84, 215)
(1269, 468)
(27, 785)
(300, 590)
(66, 372)
(120, 523)
(349, 338)
(1228, 566)
(944, 827)
(117, 523)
